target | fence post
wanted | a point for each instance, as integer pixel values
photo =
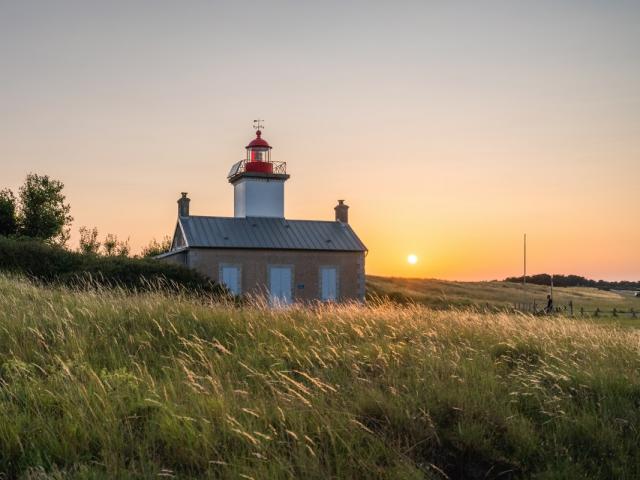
(597, 312)
(571, 307)
(615, 312)
(633, 313)
(582, 311)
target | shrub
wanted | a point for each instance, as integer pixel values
(49, 263)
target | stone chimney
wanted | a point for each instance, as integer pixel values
(183, 205)
(342, 212)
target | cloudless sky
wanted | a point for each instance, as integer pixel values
(450, 127)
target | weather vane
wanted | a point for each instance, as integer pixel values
(257, 124)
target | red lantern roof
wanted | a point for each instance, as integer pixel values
(258, 141)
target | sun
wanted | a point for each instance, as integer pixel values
(412, 259)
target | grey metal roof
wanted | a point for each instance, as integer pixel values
(269, 233)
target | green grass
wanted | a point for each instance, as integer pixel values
(444, 294)
(109, 384)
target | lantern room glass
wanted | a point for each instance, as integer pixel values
(258, 154)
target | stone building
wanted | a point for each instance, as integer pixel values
(259, 251)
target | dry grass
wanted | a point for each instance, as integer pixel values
(106, 384)
(441, 293)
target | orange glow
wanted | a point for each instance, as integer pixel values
(466, 219)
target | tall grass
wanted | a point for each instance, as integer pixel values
(443, 294)
(109, 384)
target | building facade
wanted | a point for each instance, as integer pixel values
(260, 252)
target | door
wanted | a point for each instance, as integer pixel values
(280, 280)
(329, 284)
(230, 277)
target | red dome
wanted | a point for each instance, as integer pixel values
(258, 142)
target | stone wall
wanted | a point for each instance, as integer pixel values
(305, 266)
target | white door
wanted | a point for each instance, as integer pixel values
(230, 277)
(329, 284)
(280, 285)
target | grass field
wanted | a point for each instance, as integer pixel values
(443, 294)
(113, 385)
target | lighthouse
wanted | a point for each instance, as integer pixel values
(258, 182)
(259, 252)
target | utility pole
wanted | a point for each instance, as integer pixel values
(524, 276)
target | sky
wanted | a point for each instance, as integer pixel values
(451, 128)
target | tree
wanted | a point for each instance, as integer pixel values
(43, 211)
(109, 245)
(156, 248)
(113, 247)
(8, 221)
(89, 243)
(123, 249)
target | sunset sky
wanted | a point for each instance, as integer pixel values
(451, 128)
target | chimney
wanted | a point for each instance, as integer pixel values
(183, 205)
(342, 212)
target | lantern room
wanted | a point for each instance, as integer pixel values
(259, 155)
(258, 183)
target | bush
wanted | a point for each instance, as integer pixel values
(52, 264)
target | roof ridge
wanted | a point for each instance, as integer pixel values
(263, 218)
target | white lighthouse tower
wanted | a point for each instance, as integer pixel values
(258, 183)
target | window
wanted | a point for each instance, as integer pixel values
(230, 277)
(328, 284)
(280, 282)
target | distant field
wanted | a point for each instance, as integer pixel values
(109, 384)
(439, 293)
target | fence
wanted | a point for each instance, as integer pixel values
(571, 310)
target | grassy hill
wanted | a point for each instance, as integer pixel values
(108, 384)
(440, 293)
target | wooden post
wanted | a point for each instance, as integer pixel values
(571, 307)
(615, 312)
(633, 313)
(524, 274)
